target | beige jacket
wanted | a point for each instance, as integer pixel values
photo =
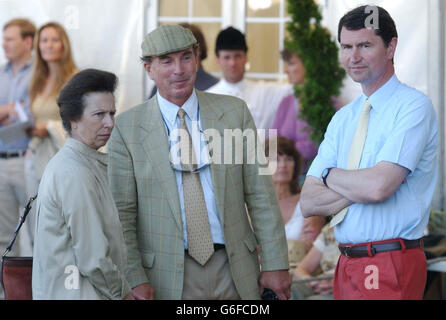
(79, 250)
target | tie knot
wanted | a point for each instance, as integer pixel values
(181, 113)
(367, 106)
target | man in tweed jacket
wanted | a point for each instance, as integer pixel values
(149, 195)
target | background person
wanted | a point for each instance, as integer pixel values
(18, 35)
(53, 66)
(322, 256)
(262, 98)
(169, 257)
(286, 120)
(300, 231)
(77, 224)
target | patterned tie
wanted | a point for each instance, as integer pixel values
(201, 245)
(354, 157)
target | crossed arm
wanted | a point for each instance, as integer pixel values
(370, 185)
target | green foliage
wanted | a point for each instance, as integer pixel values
(319, 53)
(437, 222)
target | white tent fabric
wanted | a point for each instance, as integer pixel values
(103, 34)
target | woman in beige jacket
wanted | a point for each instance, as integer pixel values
(79, 250)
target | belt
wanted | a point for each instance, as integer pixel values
(16, 154)
(217, 246)
(369, 250)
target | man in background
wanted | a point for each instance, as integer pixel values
(18, 36)
(262, 98)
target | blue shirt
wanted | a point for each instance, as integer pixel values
(403, 130)
(169, 112)
(15, 88)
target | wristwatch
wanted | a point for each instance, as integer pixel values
(324, 175)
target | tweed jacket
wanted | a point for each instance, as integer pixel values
(144, 188)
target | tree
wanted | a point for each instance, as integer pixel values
(323, 74)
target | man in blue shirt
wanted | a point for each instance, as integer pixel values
(376, 168)
(18, 35)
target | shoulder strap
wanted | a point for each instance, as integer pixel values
(19, 225)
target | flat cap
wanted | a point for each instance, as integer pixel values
(167, 39)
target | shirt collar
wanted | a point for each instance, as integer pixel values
(239, 86)
(27, 65)
(81, 147)
(381, 96)
(170, 110)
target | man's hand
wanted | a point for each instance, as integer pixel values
(143, 292)
(129, 297)
(318, 200)
(278, 281)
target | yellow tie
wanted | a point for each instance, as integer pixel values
(354, 157)
(199, 238)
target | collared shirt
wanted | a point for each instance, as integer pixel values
(262, 98)
(15, 88)
(403, 130)
(169, 112)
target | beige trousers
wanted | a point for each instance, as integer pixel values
(213, 281)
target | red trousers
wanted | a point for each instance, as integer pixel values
(391, 275)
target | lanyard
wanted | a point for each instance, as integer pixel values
(203, 160)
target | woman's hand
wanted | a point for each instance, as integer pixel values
(322, 286)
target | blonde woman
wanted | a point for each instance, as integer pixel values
(53, 66)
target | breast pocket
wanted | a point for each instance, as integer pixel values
(148, 259)
(372, 149)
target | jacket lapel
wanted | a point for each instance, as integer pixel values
(212, 124)
(155, 138)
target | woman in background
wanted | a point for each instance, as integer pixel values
(53, 66)
(286, 121)
(300, 231)
(323, 256)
